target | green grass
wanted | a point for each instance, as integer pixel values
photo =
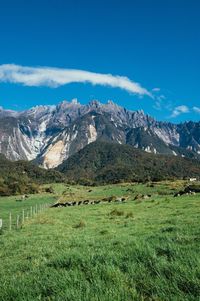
(11, 204)
(140, 250)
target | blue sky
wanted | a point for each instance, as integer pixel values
(153, 43)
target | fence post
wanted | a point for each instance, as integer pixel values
(1, 224)
(10, 221)
(22, 216)
(31, 214)
(17, 221)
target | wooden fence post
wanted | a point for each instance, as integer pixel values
(22, 216)
(17, 221)
(10, 221)
(1, 224)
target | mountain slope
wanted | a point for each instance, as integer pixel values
(103, 162)
(51, 134)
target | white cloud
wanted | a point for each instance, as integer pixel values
(54, 77)
(156, 89)
(196, 110)
(179, 110)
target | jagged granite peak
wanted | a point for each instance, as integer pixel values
(94, 104)
(50, 134)
(65, 104)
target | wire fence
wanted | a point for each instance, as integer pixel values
(16, 220)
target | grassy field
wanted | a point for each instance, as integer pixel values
(139, 250)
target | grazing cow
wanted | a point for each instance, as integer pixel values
(79, 203)
(108, 199)
(55, 205)
(58, 205)
(181, 192)
(97, 202)
(119, 200)
(191, 189)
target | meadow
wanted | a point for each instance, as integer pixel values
(143, 249)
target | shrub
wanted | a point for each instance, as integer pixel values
(49, 189)
(117, 212)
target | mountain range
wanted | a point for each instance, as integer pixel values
(48, 135)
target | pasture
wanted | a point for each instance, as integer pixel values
(143, 249)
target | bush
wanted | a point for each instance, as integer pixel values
(117, 212)
(49, 189)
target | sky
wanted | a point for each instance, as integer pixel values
(141, 54)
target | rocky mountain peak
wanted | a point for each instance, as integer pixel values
(94, 104)
(50, 134)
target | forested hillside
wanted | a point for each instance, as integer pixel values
(102, 162)
(24, 177)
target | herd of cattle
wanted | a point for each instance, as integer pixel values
(189, 190)
(89, 202)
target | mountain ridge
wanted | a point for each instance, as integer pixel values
(51, 134)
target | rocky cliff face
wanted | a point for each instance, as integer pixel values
(50, 134)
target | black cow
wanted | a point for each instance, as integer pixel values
(97, 202)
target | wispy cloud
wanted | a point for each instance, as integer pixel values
(156, 90)
(55, 77)
(196, 110)
(179, 110)
(160, 103)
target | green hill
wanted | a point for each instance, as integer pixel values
(102, 162)
(24, 177)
